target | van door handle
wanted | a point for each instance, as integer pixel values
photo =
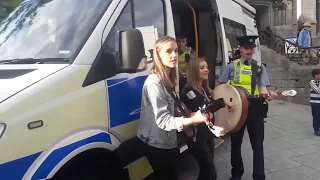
(35, 124)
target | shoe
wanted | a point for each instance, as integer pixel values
(317, 133)
(233, 178)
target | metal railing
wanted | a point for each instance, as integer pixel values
(290, 48)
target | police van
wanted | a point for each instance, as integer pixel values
(72, 71)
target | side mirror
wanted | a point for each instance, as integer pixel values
(151, 53)
(131, 51)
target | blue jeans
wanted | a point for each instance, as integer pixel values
(315, 109)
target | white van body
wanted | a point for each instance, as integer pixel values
(48, 116)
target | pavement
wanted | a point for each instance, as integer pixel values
(292, 152)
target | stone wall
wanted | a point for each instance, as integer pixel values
(264, 18)
(286, 75)
(287, 27)
(308, 8)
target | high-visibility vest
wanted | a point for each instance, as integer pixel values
(182, 59)
(242, 76)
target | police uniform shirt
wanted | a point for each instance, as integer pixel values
(193, 100)
(228, 74)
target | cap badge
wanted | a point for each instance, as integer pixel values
(251, 40)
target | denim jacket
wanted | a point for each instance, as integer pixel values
(158, 127)
(304, 39)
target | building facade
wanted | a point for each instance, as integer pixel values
(283, 15)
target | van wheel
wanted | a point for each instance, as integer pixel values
(95, 164)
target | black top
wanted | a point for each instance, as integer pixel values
(193, 100)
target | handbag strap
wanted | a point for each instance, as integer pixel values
(206, 95)
(176, 99)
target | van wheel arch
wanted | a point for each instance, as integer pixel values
(96, 164)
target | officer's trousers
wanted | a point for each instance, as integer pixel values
(255, 127)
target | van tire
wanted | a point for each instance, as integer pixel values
(94, 164)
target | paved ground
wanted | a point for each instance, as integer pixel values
(292, 152)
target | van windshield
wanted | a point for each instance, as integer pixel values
(51, 30)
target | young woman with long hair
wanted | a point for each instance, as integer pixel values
(194, 95)
(159, 124)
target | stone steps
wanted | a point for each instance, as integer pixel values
(298, 59)
(286, 75)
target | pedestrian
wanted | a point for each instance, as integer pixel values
(195, 94)
(315, 100)
(161, 125)
(252, 76)
(186, 54)
(305, 41)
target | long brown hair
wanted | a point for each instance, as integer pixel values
(169, 79)
(193, 77)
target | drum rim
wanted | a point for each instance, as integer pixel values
(244, 109)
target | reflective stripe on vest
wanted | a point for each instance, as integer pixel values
(182, 59)
(242, 76)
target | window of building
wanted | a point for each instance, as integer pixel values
(233, 30)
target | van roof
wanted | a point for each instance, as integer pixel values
(246, 5)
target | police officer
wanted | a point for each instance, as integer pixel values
(252, 76)
(186, 54)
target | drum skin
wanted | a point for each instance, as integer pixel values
(231, 121)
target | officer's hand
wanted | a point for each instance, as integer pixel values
(229, 105)
(272, 95)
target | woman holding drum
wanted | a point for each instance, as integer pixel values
(195, 94)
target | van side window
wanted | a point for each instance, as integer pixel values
(149, 13)
(124, 22)
(137, 14)
(232, 30)
(108, 58)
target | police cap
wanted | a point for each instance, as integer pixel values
(247, 41)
